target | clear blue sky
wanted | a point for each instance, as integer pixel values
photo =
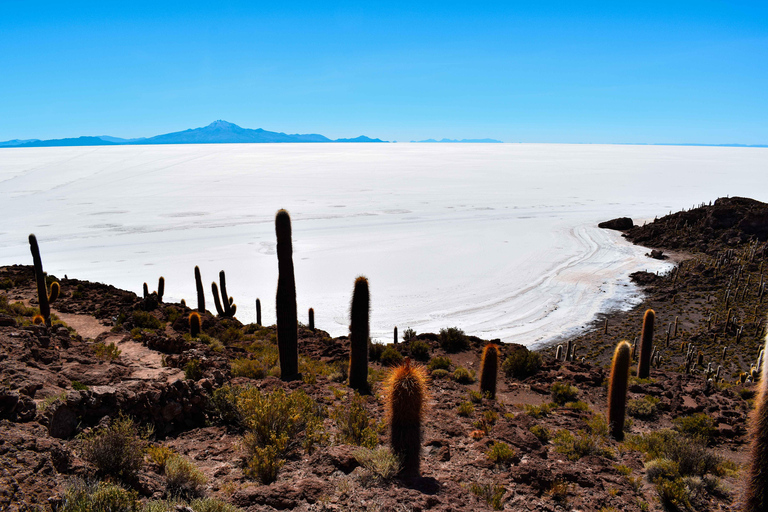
(521, 72)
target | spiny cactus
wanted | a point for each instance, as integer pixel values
(285, 303)
(229, 309)
(568, 349)
(258, 312)
(200, 292)
(358, 336)
(617, 389)
(489, 365)
(756, 495)
(43, 297)
(311, 319)
(160, 289)
(646, 345)
(559, 352)
(145, 290)
(194, 324)
(406, 391)
(38, 319)
(395, 342)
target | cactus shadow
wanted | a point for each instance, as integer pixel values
(423, 484)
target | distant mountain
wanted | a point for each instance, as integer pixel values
(218, 132)
(462, 140)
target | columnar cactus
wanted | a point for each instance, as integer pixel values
(43, 297)
(285, 303)
(559, 352)
(258, 312)
(568, 350)
(406, 391)
(311, 319)
(489, 365)
(756, 495)
(194, 324)
(358, 336)
(646, 345)
(145, 290)
(200, 292)
(229, 307)
(395, 342)
(160, 289)
(617, 389)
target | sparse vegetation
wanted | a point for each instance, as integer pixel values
(492, 494)
(354, 423)
(500, 453)
(453, 340)
(380, 461)
(563, 393)
(108, 352)
(521, 363)
(118, 449)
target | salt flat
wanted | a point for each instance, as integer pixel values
(498, 239)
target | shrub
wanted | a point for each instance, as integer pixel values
(661, 469)
(183, 478)
(379, 461)
(145, 320)
(466, 409)
(697, 426)
(439, 374)
(79, 386)
(643, 408)
(598, 425)
(118, 449)
(538, 411)
(463, 376)
(102, 497)
(673, 494)
(419, 350)
(487, 421)
(212, 505)
(521, 363)
(691, 455)
(160, 454)
(354, 424)
(251, 368)
(375, 350)
(581, 445)
(390, 356)
(541, 432)
(491, 493)
(264, 463)
(6, 284)
(500, 453)
(439, 363)
(193, 370)
(409, 334)
(563, 393)
(107, 352)
(453, 339)
(475, 396)
(578, 406)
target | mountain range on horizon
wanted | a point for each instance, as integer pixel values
(462, 140)
(218, 132)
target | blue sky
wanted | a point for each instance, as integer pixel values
(673, 72)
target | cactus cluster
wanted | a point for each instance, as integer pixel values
(229, 307)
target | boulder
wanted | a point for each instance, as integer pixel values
(619, 224)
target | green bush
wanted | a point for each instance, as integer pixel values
(563, 393)
(193, 370)
(440, 374)
(491, 493)
(453, 339)
(375, 350)
(251, 368)
(183, 478)
(698, 426)
(521, 363)
(354, 424)
(541, 432)
(145, 320)
(118, 449)
(408, 334)
(537, 411)
(107, 352)
(578, 446)
(673, 494)
(500, 453)
(643, 408)
(439, 363)
(661, 469)
(6, 284)
(690, 454)
(419, 350)
(79, 386)
(379, 461)
(264, 462)
(463, 376)
(160, 455)
(466, 409)
(475, 396)
(390, 356)
(102, 497)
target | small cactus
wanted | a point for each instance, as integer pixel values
(489, 365)
(200, 292)
(756, 495)
(38, 319)
(194, 324)
(43, 297)
(358, 336)
(285, 301)
(568, 348)
(229, 307)
(646, 345)
(617, 389)
(406, 391)
(559, 353)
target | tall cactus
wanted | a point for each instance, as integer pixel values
(229, 307)
(617, 389)
(200, 292)
(489, 365)
(258, 312)
(285, 304)
(43, 297)
(756, 494)
(395, 342)
(646, 345)
(311, 319)
(358, 336)
(406, 391)
(160, 289)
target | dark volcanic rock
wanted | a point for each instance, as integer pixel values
(619, 224)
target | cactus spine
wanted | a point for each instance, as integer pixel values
(646, 345)
(229, 309)
(489, 365)
(756, 495)
(194, 324)
(200, 293)
(285, 303)
(311, 319)
(406, 397)
(43, 298)
(617, 389)
(258, 312)
(358, 336)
